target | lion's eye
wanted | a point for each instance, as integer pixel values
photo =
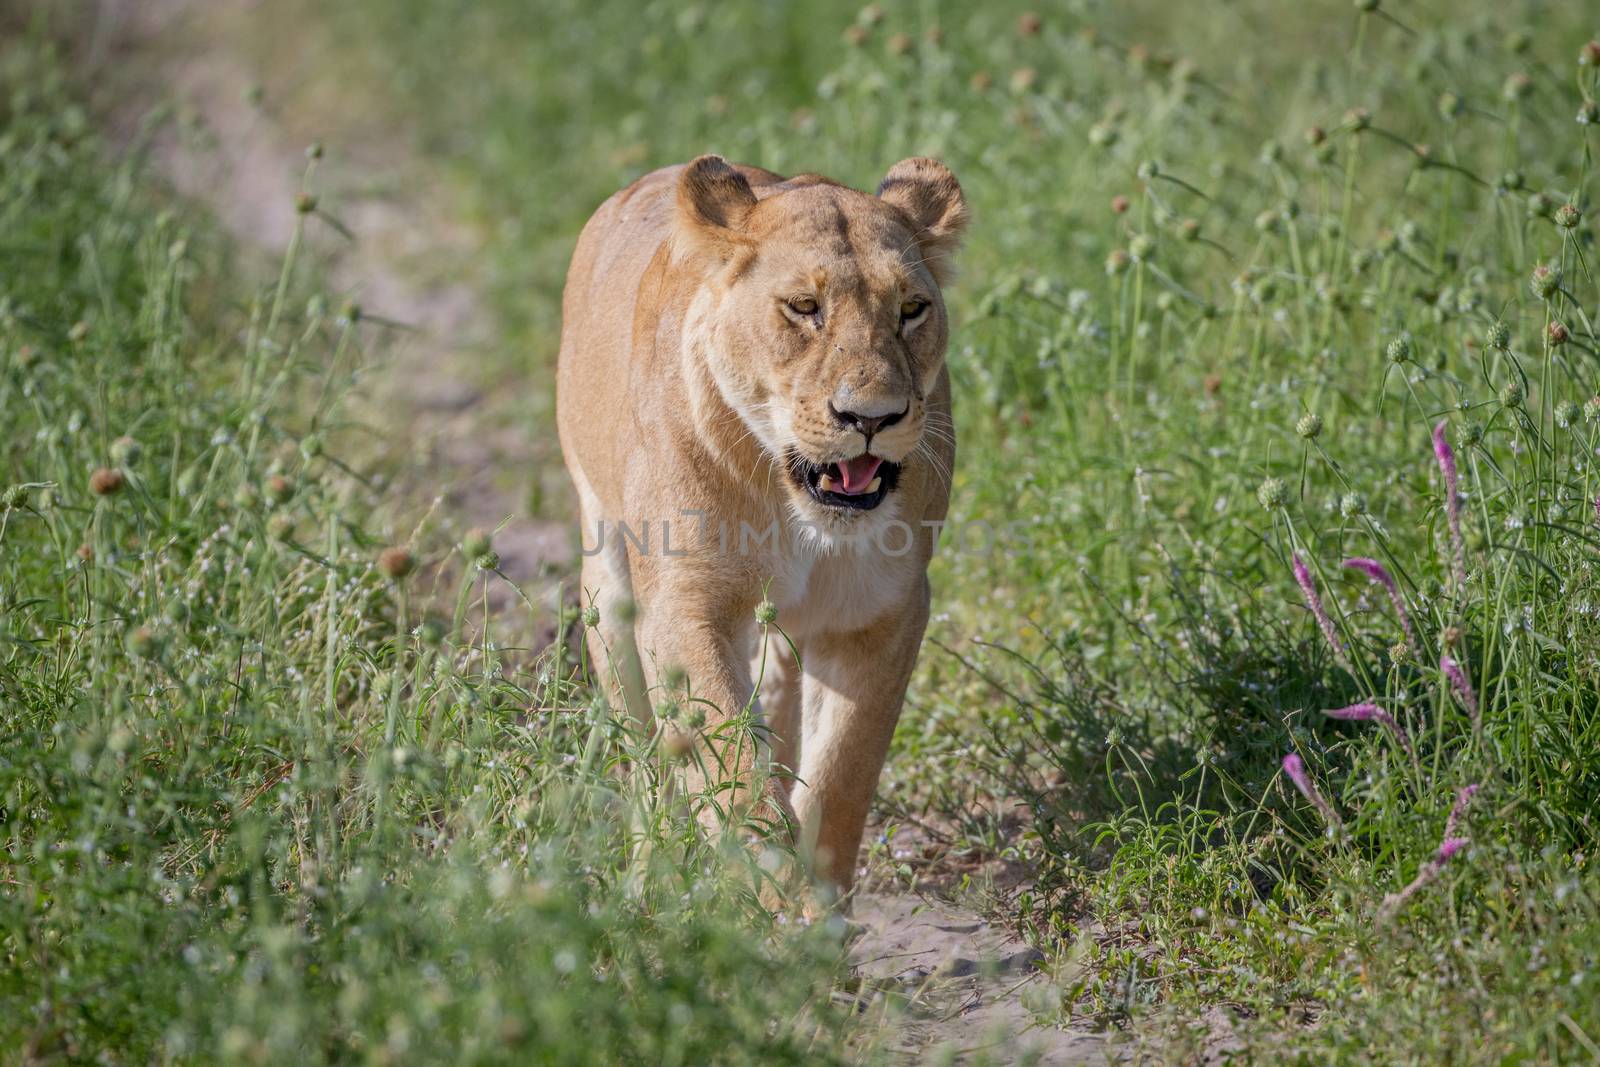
(912, 308)
(803, 305)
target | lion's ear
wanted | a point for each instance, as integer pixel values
(931, 197)
(713, 200)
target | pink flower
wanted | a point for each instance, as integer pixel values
(1372, 713)
(1308, 587)
(1295, 768)
(1430, 870)
(1447, 467)
(1461, 684)
(1380, 574)
(1464, 796)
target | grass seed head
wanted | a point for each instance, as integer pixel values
(1498, 336)
(1517, 87)
(396, 562)
(432, 632)
(1117, 262)
(280, 488)
(1591, 410)
(1352, 504)
(591, 617)
(676, 745)
(1399, 350)
(1511, 395)
(1273, 493)
(1539, 206)
(1558, 334)
(305, 203)
(106, 481)
(126, 452)
(1546, 281)
(143, 642)
(766, 613)
(1309, 426)
(1568, 413)
(476, 543)
(1589, 54)
(1119, 205)
(1566, 216)
(1588, 112)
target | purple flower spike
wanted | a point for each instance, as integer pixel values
(1380, 574)
(1447, 467)
(1430, 870)
(1308, 587)
(1448, 848)
(1295, 768)
(1464, 797)
(1461, 684)
(1372, 713)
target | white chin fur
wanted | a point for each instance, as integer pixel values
(825, 531)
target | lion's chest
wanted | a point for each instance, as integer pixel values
(838, 592)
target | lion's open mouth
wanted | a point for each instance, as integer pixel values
(860, 483)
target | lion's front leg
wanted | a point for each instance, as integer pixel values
(855, 683)
(700, 661)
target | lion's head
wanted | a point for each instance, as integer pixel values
(822, 324)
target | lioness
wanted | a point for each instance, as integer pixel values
(753, 402)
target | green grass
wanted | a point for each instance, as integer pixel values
(257, 807)
(1136, 669)
(1127, 672)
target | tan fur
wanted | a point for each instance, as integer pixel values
(685, 377)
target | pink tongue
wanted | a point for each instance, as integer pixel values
(857, 473)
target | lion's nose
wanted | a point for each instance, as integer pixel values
(865, 414)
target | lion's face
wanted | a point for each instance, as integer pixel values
(825, 329)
